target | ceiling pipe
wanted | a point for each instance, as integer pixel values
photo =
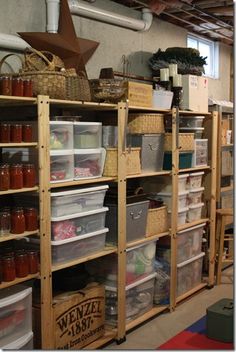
(92, 12)
(52, 10)
(12, 42)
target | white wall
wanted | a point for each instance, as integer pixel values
(28, 15)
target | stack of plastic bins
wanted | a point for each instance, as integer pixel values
(195, 192)
(16, 318)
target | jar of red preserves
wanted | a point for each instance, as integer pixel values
(22, 264)
(31, 219)
(33, 257)
(28, 88)
(17, 87)
(27, 133)
(29, 175)
(16, 133)
(0, 270)
(17, 221)
(5, 222)
(8, 269)
(4, 177)
(5, 133)
(6, 85)
(16, 176)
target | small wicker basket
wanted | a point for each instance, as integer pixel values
(36, 60)
(146, 123)
(133, 163)
(186, 141)
(157, 221)
(77, 86)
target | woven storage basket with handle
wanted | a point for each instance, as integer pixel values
(133, 163)
(186, 141)
(42, 61)
(77, 86)
(157, 221)
(146, 123)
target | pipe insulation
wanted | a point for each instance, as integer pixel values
(92, 12)
(13, 42)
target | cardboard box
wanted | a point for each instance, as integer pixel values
(78, 318)
(195, 93)
(139, 94)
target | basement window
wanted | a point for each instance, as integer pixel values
(209, 49)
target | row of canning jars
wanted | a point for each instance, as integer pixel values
(17, 176)
(16, 86)
(18, 220)
(15, 133)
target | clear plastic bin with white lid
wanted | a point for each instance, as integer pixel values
(195, 195)
(195, 179)
(191, 121)
(61, 165)
(194, 212)
(182, 199)
(182, 216)
(61, 135)
(22, 343)
(89, 163)
(87, 135)
(164, 184)
(77, 200)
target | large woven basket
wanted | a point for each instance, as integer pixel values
(133, 164)
(77, 86)
(146, 123)
(36, 60)
(157, 221)
(186, 141)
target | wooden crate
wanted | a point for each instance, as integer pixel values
(78, 318)
(139, 94)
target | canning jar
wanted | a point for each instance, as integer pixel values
(17, 221)
(0, 270)
(29, 175)
(22, 264)
(17, 87)
(33, 257)
(27, 133)
(6, 85)
(4, 177)
(5, 133)
(31, 219)
(16, 176)
(5, 222)
(16, 133)
(28, 88)
(8, 268)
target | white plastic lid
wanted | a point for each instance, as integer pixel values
(196, 173)
(195, 206)
(88, 123)
(140, 245)
(19, 343)
(169, 194)
(192, 117)
(180, 210)
(200, 140)
(61, 152)
(192, 128)
(70, 123)
(79, 215)
(89, 151)
(13, 294)
(183, 176)
(79, 237)
(134, 284)
(192, 228)
(191, 260)
(78, 191)
(194, 190)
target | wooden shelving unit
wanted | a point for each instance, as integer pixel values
(10, 236)
(18, 281)
(21, 190)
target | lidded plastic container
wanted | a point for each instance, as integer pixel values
(195, 195)
(182, 199)
(22, 343)
(194, 212)
(191, 121)
(61, 165)
(195, 180)
(87, 135)
(61, 135)
(182, 216)
(89, 163)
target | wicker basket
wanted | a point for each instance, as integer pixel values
(133, 163)
(157, 221)
(77, 87)
(146, 123)
(186, 141)
(41, 61)
(12, 73)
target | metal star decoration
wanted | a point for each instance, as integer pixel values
(75, 52)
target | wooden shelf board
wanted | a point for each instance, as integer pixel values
(191, 292)
(186, 112)
(108, 336)
(151, 313)
(5, 99)
(18, 145)
(195, 169)
(191, 224)
(10, 236)
(83, 104)
(21, 190)
(18, 281)
(132, 107)
(148, 174)
(107, 251)
(147, 239)
(82, 182)
(226, 189)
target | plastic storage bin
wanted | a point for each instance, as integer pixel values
(64, 227)
(200, 155)
(109, 136)
(23, 343)
(198, 131)
(195, 180)
(152, 150)
(191, 121)
(189, 274)
(162, 99)
(89, 163)
(61, 166)
(15, 313)
(61, 135)
(182, 216)
(136, 221)
(195, 195)
(194, 212)
(185, 160)
(139, 299)
(87, 135)
(189, 242)
(77, 200)
(182, 199)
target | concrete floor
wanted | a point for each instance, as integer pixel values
(157, 331)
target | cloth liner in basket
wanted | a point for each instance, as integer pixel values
(77, 86)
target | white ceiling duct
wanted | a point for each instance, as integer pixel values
(13, 42)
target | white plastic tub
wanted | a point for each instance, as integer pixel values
(162, 99)
(189, 274)
(200, 155)
(64, 227)
(164, 184)
(77, 200)
(87, 135)
(15, 313)
(77, 247)
(182, 199)
(189, 242)
(194, 212)
(89, 163)
(182, 216)
(195, 179)
(23, 343)
(61, 166)
(195, 195)
(139, 299)
(61, 135)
